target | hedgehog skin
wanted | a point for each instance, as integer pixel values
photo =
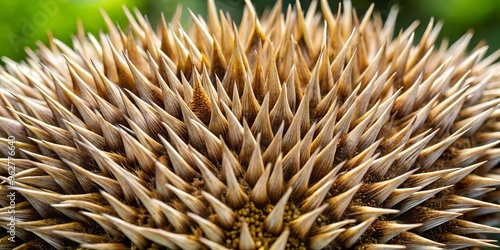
(289, 131)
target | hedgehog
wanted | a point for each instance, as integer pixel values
(290, 130)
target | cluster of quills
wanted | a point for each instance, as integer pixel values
(293, 130)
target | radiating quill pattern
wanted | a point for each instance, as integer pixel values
(293, 130)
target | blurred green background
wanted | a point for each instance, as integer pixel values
(23, 22)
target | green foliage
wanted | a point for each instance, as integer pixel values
(24, 22)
